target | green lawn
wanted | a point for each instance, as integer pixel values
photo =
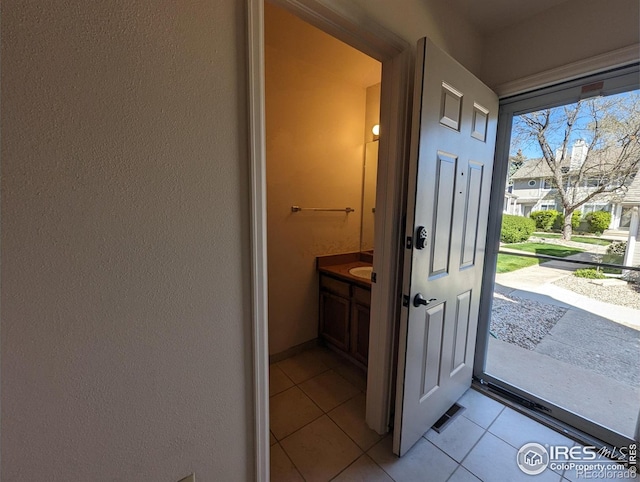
(512, 262)
(509, 262)
(577, 239)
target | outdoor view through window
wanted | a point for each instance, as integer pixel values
(568, 331)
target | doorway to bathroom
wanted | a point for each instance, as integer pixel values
(322, 113)
(322, 100)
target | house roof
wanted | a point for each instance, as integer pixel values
(533, 168)
(596, 162)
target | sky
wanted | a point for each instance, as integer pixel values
(619, 106)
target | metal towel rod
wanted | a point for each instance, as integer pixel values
(295, 209)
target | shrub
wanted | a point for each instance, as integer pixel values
(516, 229)
(598, 221)
(558, 222)
(590, 273)
(612, 259)
(617, 247)
(544, 219)
(632, 277)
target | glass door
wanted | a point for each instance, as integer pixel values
(560, 316)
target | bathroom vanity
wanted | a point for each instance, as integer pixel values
(344, 301)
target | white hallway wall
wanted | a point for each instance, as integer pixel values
(125, 271)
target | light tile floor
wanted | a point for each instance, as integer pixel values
(318, 433)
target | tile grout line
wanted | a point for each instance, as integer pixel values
(296, 385)
(343, 470)
(501, 439)
(351, 384)
(291, 460)
(375, 462)
(445, 453)
(326, 413)
(363, 452)
(486, 430)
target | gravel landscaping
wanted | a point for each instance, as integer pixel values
(573, 244)
(624, 295)
(522, 322)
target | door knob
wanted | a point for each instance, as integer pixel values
(420, 300)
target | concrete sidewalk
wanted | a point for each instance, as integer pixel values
(588, 363)
(536, 282)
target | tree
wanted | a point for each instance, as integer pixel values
(515, 163)
(592, 147)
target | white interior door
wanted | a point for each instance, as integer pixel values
(455, 119)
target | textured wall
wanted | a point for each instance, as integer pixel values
(125, 319)
(572, 31)
(315, 153)
(436, 19)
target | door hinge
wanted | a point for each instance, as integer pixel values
(409, 243)
(373, 277)
(405, 300)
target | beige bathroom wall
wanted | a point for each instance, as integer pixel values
(315, 105)
(571, 31)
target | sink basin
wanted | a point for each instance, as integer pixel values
(363, 272)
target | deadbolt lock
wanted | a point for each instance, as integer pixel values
(421, 237)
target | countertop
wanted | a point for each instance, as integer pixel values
(339, 265)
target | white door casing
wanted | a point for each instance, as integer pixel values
(453, 140)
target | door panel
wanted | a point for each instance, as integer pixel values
(454, 121)
(428, 345)
(471, 213)
(460, 333)
(442, 203)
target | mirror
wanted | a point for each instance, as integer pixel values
(370, 170)
(369, 195)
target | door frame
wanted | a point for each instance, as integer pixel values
(346, 24)
(619, 79)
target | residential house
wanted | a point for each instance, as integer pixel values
(631, 220)
(127, 343)
(533, 189)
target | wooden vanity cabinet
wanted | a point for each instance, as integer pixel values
(344, 316)
(360, 303)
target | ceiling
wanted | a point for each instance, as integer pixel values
(491, 15)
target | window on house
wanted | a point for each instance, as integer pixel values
(595, 182)
(546, 206)
(592, 207)
(547, 184)
(532, 182)
(625, 218)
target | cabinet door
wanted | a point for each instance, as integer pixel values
(334, 319)
(360, 332)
